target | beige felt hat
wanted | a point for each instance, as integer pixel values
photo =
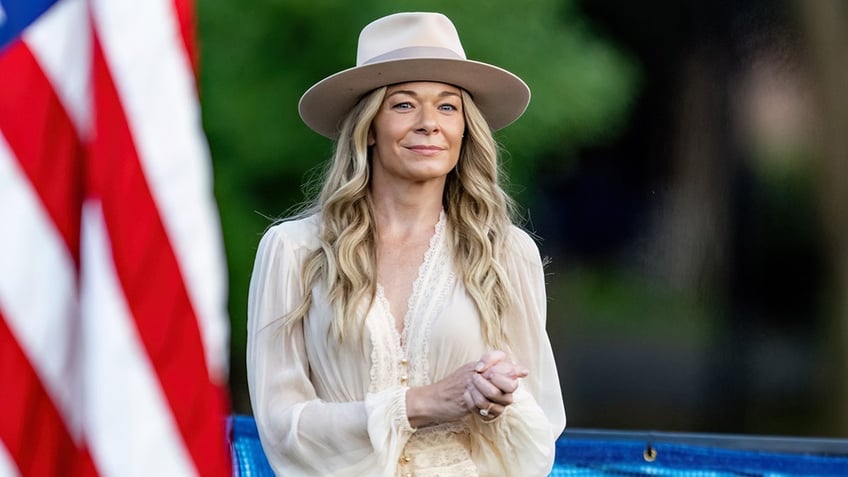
(413, 47)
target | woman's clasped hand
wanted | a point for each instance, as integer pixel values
(485, 385)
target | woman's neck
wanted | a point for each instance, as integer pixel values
(406, 212)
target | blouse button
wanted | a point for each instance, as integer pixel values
(408, 474)
(404, 362)
(405, 459)
(404, 379)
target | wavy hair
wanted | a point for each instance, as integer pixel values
(477, 208)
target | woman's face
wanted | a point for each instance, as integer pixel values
(417, 133)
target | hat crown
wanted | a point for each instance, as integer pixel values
(408, 35)
(405, 47)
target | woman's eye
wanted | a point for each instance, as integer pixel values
(448, 107)
(404, 105)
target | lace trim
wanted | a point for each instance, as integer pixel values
(423, 270)
(385, 344)
(440, 451)
(389, 318)
(433, 282)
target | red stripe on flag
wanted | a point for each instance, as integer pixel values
(42, 137)
(151, 280)
(184, 10)
(31, 428)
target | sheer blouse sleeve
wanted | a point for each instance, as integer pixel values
(301, 434)
(522, 441)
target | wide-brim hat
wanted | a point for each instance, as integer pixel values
(406, 47)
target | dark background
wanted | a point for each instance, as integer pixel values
(683, 163)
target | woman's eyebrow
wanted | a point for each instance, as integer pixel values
(414, 94)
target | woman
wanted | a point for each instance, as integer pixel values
(398, 326)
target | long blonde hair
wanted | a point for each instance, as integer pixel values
(477, 208)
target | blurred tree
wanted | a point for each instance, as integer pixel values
(826, 26)
(691, 205)
(258, 57)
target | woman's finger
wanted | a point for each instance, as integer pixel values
(503, 383)
(513, 371)
(469, 401)
(485, 408)
(491, 392)
(489, 359)
(481, 401)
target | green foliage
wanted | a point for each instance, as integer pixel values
(258, 57)
(601, 299)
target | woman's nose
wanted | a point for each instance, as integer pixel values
(428, 122)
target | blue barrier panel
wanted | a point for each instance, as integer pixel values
(578, 456)
(248, 457)
(602, 453)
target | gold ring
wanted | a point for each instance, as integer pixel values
(485, 412)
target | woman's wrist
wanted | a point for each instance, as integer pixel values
(418, 409)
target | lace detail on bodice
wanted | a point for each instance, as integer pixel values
(442, 451)
(403, 358)
(386, 350)
(429, 290)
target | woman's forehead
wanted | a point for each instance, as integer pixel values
(423, 86)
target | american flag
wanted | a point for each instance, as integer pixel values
(113, 325)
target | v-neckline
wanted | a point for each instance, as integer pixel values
(402, 355)
(411, 302)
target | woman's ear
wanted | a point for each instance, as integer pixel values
(371, 139)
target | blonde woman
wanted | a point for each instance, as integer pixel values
(398, 326)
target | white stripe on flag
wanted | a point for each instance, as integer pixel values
(60, 40)
(154, 78)
(38, 288)
(7, 465)
(129, 425)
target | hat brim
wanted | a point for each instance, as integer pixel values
(501, 96)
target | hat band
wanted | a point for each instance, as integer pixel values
(415, 53)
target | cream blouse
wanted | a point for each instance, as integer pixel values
(330, 409)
